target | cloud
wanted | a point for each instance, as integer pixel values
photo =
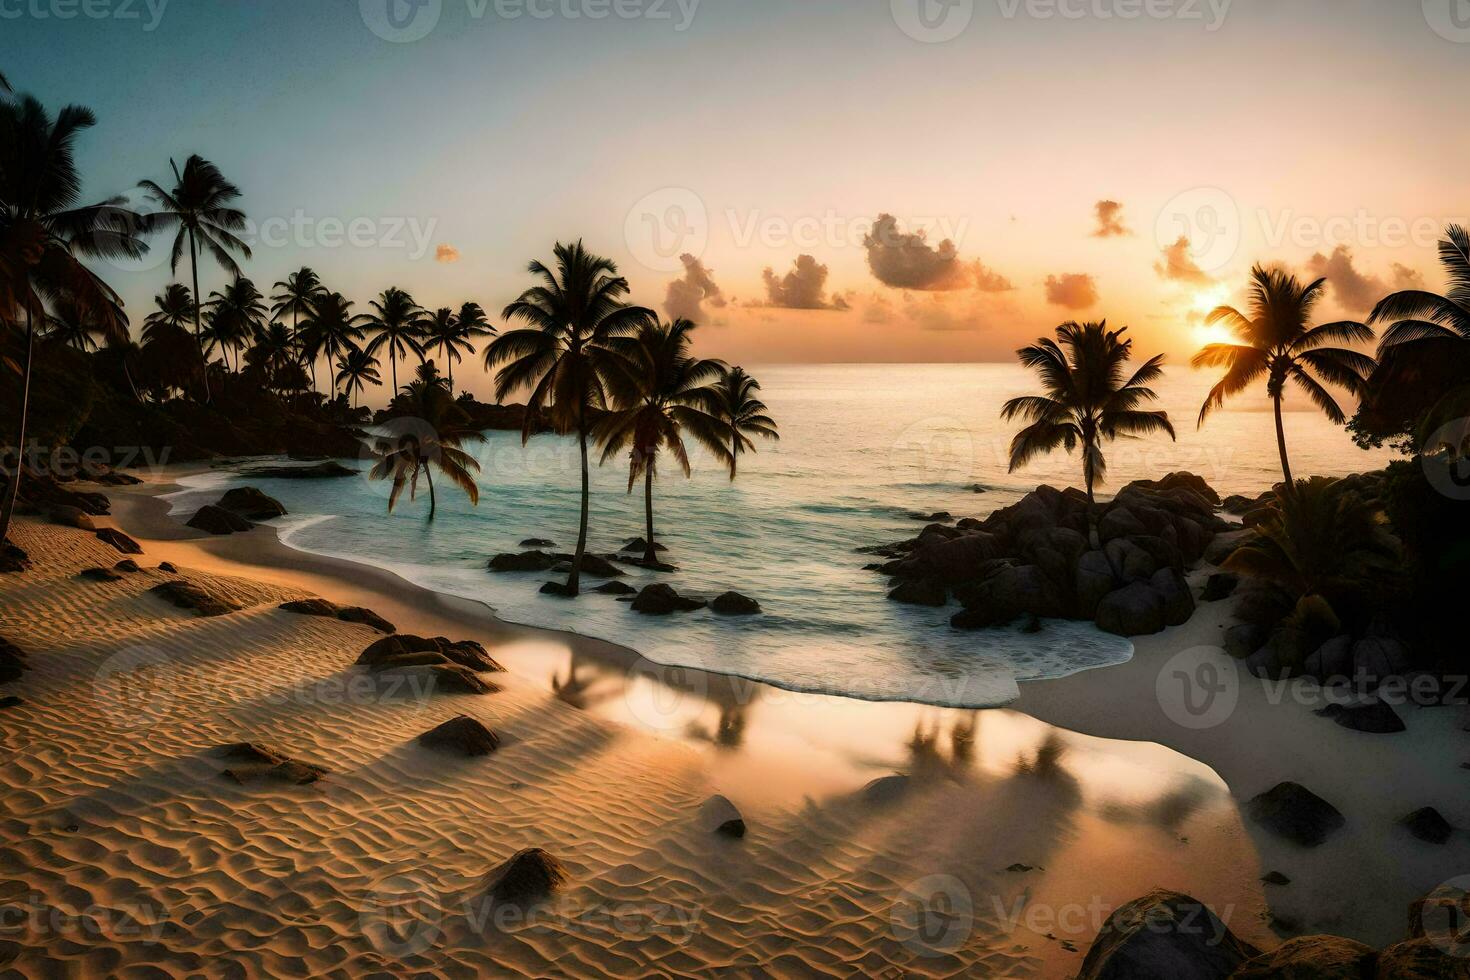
(934, 313)
(1109, 220)
(1074, 290)
(803, 288)
(446, 253)
(687, 296)
(906, 260)
(1358, 291)
(1179, 266)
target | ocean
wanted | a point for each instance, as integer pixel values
(866, 452)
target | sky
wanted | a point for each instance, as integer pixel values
(763, 167)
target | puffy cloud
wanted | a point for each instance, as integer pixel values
(687, 297)
(1109, 220)
(1178, 265)
(1357, 291)
(446, 253)
(906, 260)
(1073, 290)
(803, 288)
(987, 280)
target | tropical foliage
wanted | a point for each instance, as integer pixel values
(742, 414)
(429, 437)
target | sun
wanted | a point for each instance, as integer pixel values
(1200, 306)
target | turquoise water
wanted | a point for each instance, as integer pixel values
(864, 448)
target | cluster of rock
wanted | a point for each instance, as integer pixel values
(1166, 935)
(237, 511)
(195, 597)
(1055, 554)
(448, 666)
(254, 762)
(347, 614)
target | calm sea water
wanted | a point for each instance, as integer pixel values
(864, 449)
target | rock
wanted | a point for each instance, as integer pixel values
(126, 565)
(1257, 516)
(1119, 522)
(1224, 545)
(639, 545)
(72, 517)
(12, 662)
(252, 753)
(661, 600)
(1372, 717)
(439, 678)
(719, 816)
(331, 469)
(13, 559)
(255, 761)
(1244, 639)
(1009, 591)
(311, 607)
(528, 561)
(190, 595)
(886, 789)
(217, 520)
(1275, 878)
(1310, 958)
(119, 540)
(1332, 659)
(952, 560)
(1177, 598)
(1379, 657)
(560, 589)
(1422, 959)
(11, 701)
(529, 876)
(920, 592)
(463, 736)
(735, 604)
(939, 517)
(1237, 503)
(1221, 585)
(330, 610)
(1134, 610)
(252, 503)
(99, 575)
(167, 566)
(616, 588)
(1094, 580)
(1130, 563)
(1428, 825)
(1164, 936)
(390, 651)
(538, 543)
(1294, 812)
(596, 567)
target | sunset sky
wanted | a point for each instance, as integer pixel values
(1317, 134)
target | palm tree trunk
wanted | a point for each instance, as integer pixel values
(734, 451)
(450, 361)
(650, 553)
(1281, 444)
(198, 331)
(393, 360)
(574, 580)
(433, 504)
(13, 491)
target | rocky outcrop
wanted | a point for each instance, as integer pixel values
(217, 520)
(461, 736)
(719, 816)
(1372, 717)
(735, 604)
(1165, 936)
(526, 561)
(1311, 958)
(251, 503)
(1294, 812)
(192, 596)
(119, 540)
(13, 559)
(253, 762)
(529, 876)
(661, 600)
(348, 614)
(616, 588)
(392, 651)
(72, 517)
(1427, 824)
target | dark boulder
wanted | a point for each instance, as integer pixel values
(462, 736)
(538, 543)
(254, 761)
(616, 588)
(99, 575)
(1221, 585)
(920, 592)
(68, 516)
(719, 816)
(526, 561)
(951, 560)
(347, 614)
(1372, 717)
(1165, 936)
(126, 565)
(1428, 825)
(1294, 812)
(640, 545)
(661, 600)
(167, 567)
(1177, 598)
(529, 876)
(1224, 545)
(1120, 522)
(1244, 639)
(1094, 580)
(12, 662)
(1130, 562)
(252, 503)
(190, 595)
(1134, 610)
(390, 650)
(1333, 658)
(735, 604)
(597, 567)
(217, 520)
(119, 540)
(13, 559)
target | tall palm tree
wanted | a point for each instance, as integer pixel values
(330, 329)
(1088, 400)
(396, 323)
(356, 369)
(199, 206)
(453, 334)
(434, 439)
(743, 414)
(663, 393)
(561, 354)
(1275, 342)
(170, 355)
(236, 315)
(44, 235)
(294, 295)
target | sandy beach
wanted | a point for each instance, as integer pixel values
(1006, 839)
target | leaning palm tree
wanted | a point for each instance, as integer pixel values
(396, 323)
(743, 414)
(44, 235)
(356, 369)
(431, 436)
(1275, 342)
(664, 393)
(330, 329)
(1087, 400)
(294, 295)
(198, 205)
(561, 354)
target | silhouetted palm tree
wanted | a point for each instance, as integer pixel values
(170, 355)
(275, 352)
(199, 207)
(663, 393)
(1275, 342)
(396, 323)
(453, 334)
(743, 414)
(329, 329)
(562, 353)
(431, 437)
(294, 296)
(72, 324)
(44, 235)
(356, 369)
(1087, 401)
(236, 314)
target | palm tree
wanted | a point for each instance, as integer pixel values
(431, 438)
(171, 356)
(397, 323)
(1087, 401)
(1276, 342)
(236, 315)
(356, 369)
(453, 334)
(44, 235)
(329, 329)
(562, 353)
(742, 413)
(664, 392)
(72, 324)
(294, 295)
(274, 350)
(199, 207)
